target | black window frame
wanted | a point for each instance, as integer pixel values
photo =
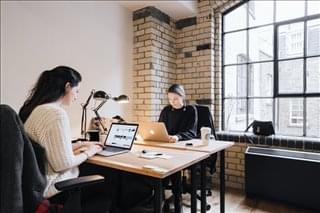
(276, 95)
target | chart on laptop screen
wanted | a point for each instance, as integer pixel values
(121, 135)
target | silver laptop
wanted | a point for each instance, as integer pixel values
(119, 139)
(153, 131)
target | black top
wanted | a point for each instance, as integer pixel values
(180, 122)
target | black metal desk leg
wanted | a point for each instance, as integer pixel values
(158, 195)
(193, 190)
(222, 181)
(203, 187)
(177, 190)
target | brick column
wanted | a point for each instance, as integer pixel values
(198, 55)
(154, 61)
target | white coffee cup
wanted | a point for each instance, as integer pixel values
(205, 135)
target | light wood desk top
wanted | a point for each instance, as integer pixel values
(131, 162)
(212, 147)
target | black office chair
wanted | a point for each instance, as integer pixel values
(22, 169)
(204, 120)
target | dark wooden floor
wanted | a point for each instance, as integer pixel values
(236, 202)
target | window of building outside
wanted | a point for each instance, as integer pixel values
(271, 66)
(296, 113)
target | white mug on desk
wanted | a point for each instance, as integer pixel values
(205, 135)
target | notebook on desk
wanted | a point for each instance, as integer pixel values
(153, 131)
(119, 139)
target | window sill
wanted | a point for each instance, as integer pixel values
(302, 143)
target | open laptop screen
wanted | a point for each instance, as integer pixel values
(121, 135)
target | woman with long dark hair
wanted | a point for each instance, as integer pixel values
(47, 123)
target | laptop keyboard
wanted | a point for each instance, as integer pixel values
(112, 149)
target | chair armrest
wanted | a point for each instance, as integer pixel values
(76, 183)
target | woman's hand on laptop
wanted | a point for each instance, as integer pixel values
(89, 143)
(173, 139)
(85, 146)
(93, 149)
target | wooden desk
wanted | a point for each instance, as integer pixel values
(211, 148)
(132, 163)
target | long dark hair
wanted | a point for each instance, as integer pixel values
(49, 88)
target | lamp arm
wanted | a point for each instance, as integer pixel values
(88, 99)
(84, 114)
(100, 105)
(99, 118)
(83, 119)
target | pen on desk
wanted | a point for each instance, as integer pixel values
(156, 154)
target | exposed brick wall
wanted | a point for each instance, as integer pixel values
(154, 62)
(218, 9)
(194, 58)
(199, 70)
(184, 51)
(234, 156)
(234, 167)
(198, 55)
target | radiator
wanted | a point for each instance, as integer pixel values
(283, 175)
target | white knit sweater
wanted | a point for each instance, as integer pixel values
(49, 126)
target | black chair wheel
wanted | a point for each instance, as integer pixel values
(208, 207)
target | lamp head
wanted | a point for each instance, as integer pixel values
(101, 95)
(121, 99)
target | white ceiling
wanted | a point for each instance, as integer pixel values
(175, 9)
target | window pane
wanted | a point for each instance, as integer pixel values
(290, 40)
(260, 12)
(260, 109)
(313, 36)
(235, 114)
(313, 117)
(235, 47)
(261, 80)
(313, 7)
(289, 9)
(237, 19)
(289, 116)
(313, 75)
(235, 79)
(291, 76)
(261, 44)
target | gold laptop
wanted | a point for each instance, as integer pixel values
(153, 131)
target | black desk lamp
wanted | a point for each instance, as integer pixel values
(104, 97)
(101, 96)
